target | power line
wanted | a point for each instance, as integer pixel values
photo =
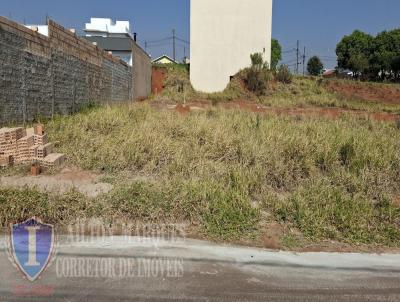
(290, 62)
(159, 40)
(157, 45)
(175, 40)
(297, 56)
(174, 45)
(182, 40)
(289, 51)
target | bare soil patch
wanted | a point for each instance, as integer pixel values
(245, 105)
(158, 79)
(85, 182)
(369, 92)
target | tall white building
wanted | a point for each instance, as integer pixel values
(224, 33)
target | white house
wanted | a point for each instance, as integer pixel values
(115, 37)
(105, 27)
(41, 29)
(164, 59)
(224, 33)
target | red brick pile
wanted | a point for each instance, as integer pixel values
(23, 146)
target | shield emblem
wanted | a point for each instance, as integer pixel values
(32, 245)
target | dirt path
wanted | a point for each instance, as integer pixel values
(85, 182)
(249, 106)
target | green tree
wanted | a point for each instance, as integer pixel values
(354, 52)
(359, 64)
(396, 67)
(384, 57)
(315, 66)
(276, 53)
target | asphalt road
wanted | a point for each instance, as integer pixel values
(136, 269)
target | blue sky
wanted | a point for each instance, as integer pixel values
(319, 25)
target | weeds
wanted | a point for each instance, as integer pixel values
(283, 75)
(222, 171)
(212, 168)
(278, 89)
(323, 211)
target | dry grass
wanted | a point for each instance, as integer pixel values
(310, 92)
(226, 171)
(300, 92)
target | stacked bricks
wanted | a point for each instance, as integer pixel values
(53, 160)
(41, 139)
(24, 144)
(33, 151)
(18, 145)
(8, 140)
(6, 160)
(44, 150)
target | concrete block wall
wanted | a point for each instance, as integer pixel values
(142, 72)
(44, 76)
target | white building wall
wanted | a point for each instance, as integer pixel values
(223, 35)
(107, 26)
(41, 29)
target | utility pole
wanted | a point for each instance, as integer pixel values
(304, 61)
(297, 56)
(145, 46)
(174, 44)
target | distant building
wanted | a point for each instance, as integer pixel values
(41, 29)
(103, 27)
(329, 73)
(224, 33)
(337, 73)
(164, 60)
(117, 38)
(114, 37)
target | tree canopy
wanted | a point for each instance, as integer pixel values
(315, 66)
(375, 58)
(276, 53)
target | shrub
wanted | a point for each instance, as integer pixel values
(257, 81)
(398, 124)
(283, 75)
(258, 75)
(257, 61)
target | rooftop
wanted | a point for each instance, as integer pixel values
(105, 25)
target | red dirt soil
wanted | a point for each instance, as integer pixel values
(332, 113)
(363, 91)
(158, 77)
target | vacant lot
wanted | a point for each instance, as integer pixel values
(230, 175)
(304, 167)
